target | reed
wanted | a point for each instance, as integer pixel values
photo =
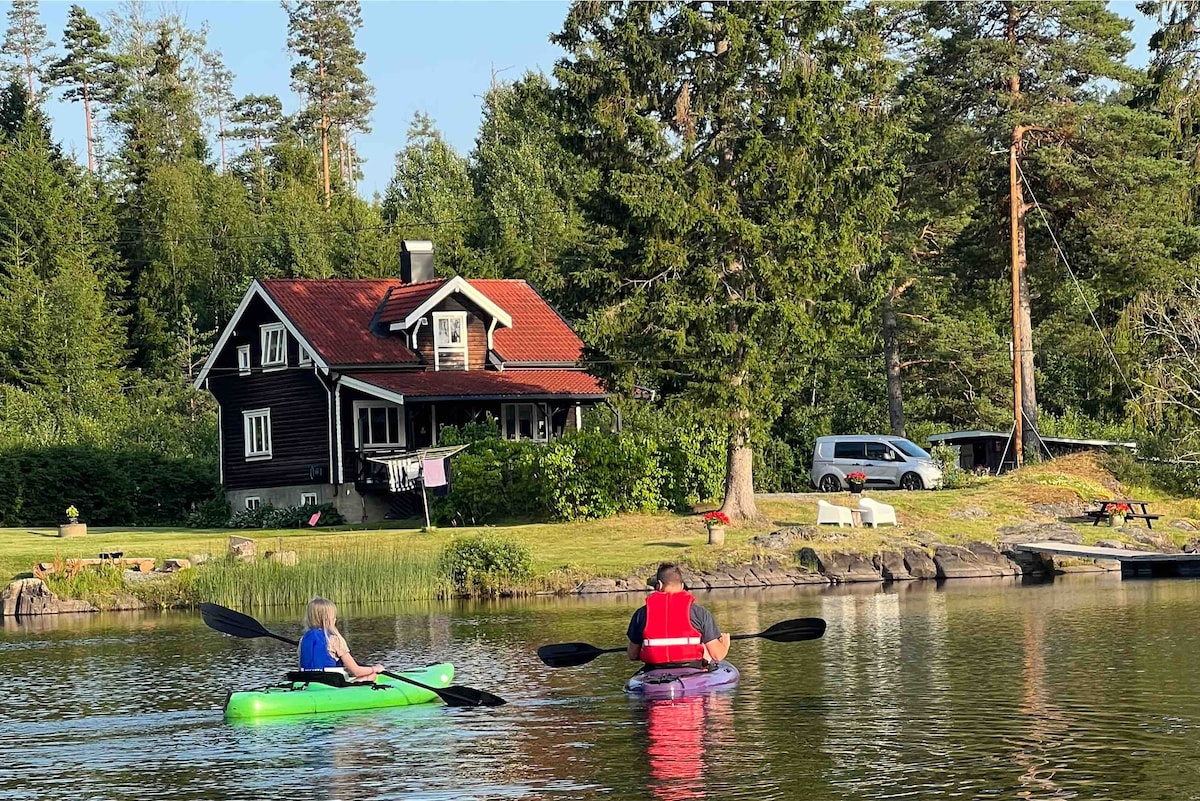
(353, 574)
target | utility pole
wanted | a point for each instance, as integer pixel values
(1017, 231)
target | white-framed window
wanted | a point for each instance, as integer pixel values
(274, 345)
(523, 421)
(253, 502)
(450, 340)
(378, 424)
(256, 425)
(305, 357)
(308, 499)
(243, 360)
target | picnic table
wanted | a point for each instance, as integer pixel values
(1111, 508)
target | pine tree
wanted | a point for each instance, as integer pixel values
(745, 177)
(257, 119)
(26, 48)
(328, 69)
(216, 93)
(87, 71)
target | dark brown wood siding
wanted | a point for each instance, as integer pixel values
(299, 405)
(477, 323)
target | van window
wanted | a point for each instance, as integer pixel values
(848, 450)
(908, 448)
(878, 452)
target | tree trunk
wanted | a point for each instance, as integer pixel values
(324, 133)
(29, 73)
(87, 115)
(739, 474)
(262, 172)
(891, 359)
(221, 131)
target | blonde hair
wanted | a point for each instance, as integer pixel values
(322, 614)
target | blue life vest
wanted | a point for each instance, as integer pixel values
(314, 651)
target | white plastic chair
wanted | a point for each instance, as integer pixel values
(827, 513)
(874, 513)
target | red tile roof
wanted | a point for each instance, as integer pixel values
(485, 383)
(335, 317)
(405, 298)
(538, 334)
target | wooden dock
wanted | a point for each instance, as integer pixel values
(1133, 563)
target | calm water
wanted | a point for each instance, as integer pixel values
(1085, 688)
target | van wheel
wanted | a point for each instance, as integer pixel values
(830, 483)
(911, 481)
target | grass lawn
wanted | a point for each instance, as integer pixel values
(564, 552)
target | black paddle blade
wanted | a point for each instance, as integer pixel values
(571, 654)
(235, 624)
(804, 628)
(458, 695)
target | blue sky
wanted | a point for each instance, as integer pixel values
(434, 57)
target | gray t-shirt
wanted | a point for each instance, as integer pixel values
(702, 621)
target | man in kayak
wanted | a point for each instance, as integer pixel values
(672, 629)
(323, 647)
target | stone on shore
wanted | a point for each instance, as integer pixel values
(785, 538)
(175, 565)
(976, 560)
(1158, 542)
(1110, 544)
(890, 565)
(841, 566)
(969, 512)
(31, 596)
(1182, 525)
(596, 586)
(1039, 532)
(919, 564)
(241, 548)
(286, 558)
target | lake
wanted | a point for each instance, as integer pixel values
(1086, 687)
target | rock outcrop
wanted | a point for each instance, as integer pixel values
(31, 596)
(841, 566)
(976, 560)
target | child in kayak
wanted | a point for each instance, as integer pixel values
(671, 629)
(323, 646)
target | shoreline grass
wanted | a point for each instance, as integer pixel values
(372, 563)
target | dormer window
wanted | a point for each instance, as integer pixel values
(274, 345)
(450, 340)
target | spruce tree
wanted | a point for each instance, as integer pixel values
(257, 119)
(744, 179)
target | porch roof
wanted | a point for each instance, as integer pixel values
(431, 385)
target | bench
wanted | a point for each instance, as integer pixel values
(1147, 518)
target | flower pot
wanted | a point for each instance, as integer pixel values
(716, 535)
(73, 530)
(856, 487)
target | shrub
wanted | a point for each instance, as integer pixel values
(213, 513)
(267, 516)
(946, 458)
(485, 565)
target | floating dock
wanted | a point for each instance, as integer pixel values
(1133, 563)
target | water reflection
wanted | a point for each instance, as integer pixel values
(676, 735)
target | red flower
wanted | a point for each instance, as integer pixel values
(716, 518)
(856, 476)
(1116, 509)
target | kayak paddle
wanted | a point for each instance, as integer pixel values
(236, 624)
(570, 654)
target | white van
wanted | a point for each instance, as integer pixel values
(886, 461)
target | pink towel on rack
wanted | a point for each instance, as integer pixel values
(312, 521)
(433, 472)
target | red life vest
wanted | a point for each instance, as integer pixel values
(669, 635)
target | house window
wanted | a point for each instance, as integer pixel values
(523, 421)
(253, 503)
(450, 340)
(308, 499)
(256, 425)
(378, 425)
(243, 360)
(305, 357)
(274, 345)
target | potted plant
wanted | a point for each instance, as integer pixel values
(856, 481)
(1116, 510)
(716, 523)
(72, 528)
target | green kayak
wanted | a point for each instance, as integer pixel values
(305, 698)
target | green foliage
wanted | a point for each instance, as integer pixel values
(485, 565)
(212, 513)
(122, 487)
(267, 516)
(946, 458)
(96, 584)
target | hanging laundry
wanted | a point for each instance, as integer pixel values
(312, 521)
(444, 490)
(433, 472)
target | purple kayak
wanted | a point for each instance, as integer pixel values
(678, 682)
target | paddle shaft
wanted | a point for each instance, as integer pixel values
(238, 624)
(388, 673)
(623, 649)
